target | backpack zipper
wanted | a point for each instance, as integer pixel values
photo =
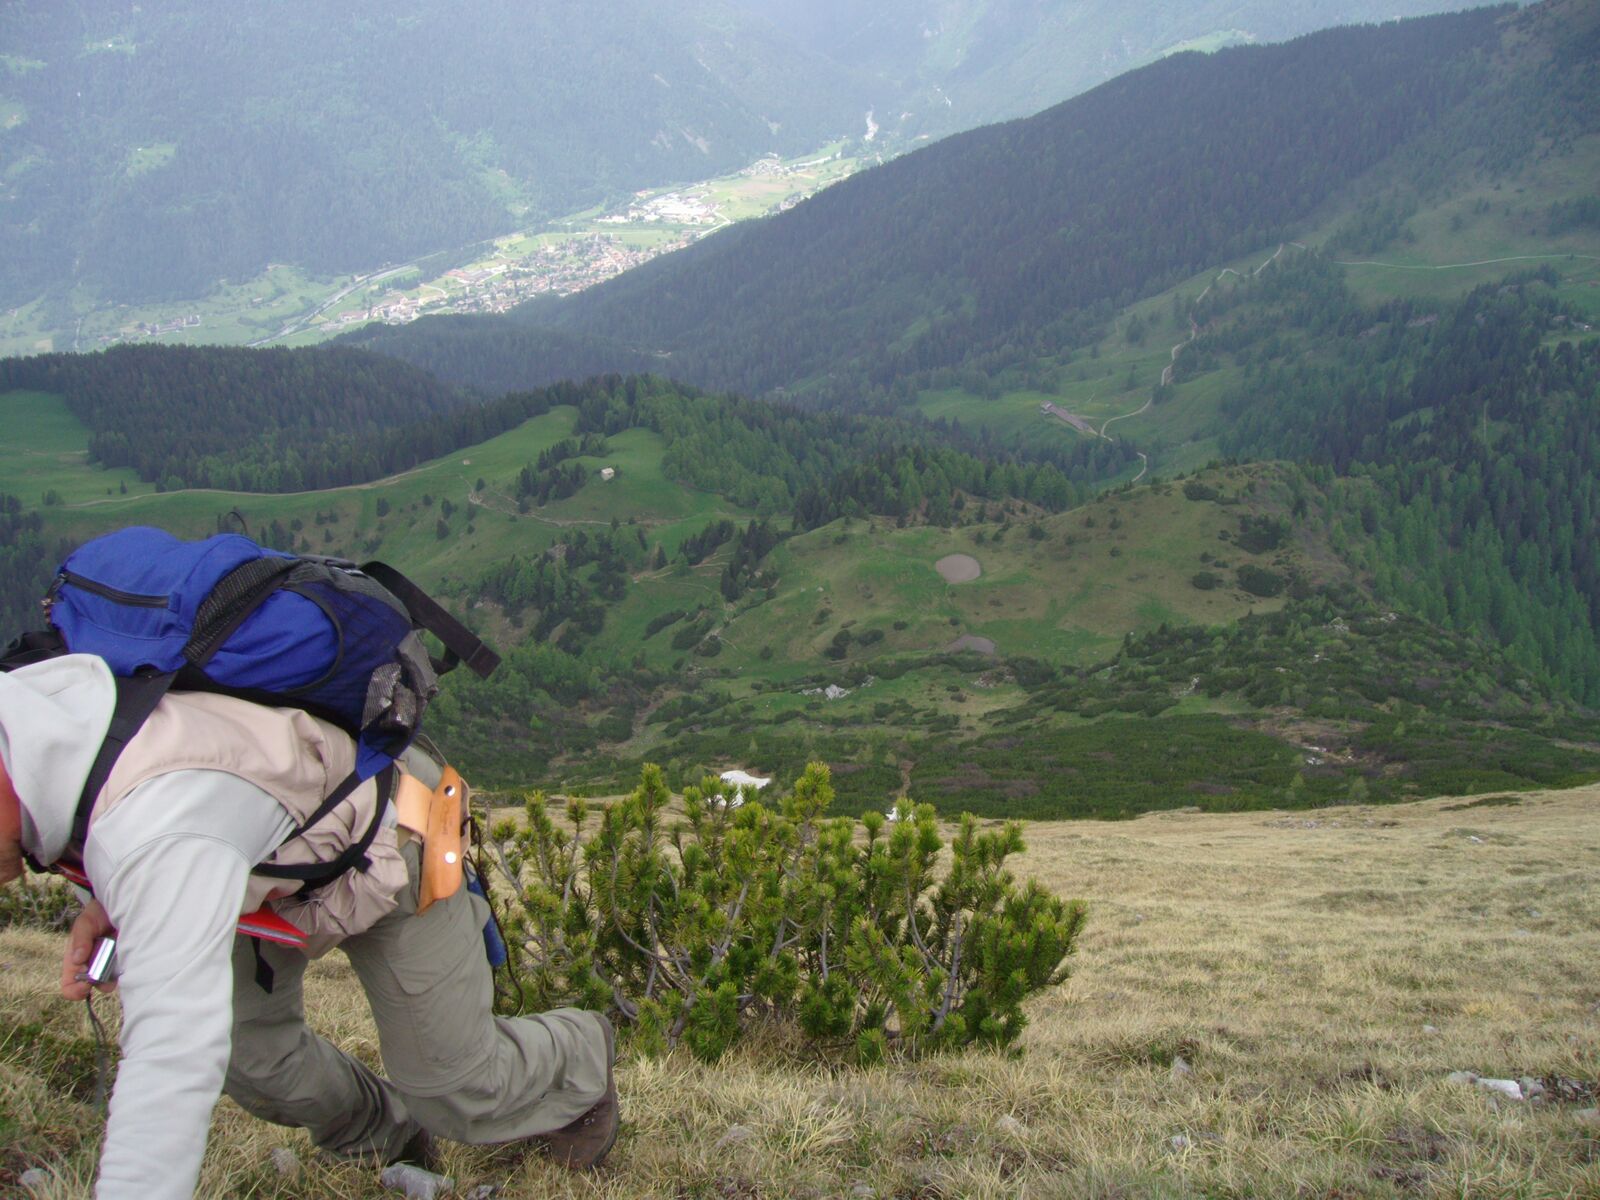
(107, 592)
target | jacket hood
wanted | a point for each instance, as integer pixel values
(53, 717)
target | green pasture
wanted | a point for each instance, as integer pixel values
(12, 113)
(1121, 564)
(654, 593)
(49, 452)
(23, 330)
(640, 491)
(231, 314)
(1109, 386)
(1180, 433)
(46, 449)
(148, 158)
(1064, 598)
(876, 712)
(647, 237)
(1109, 381)
(741, 197)
(1580, 278)
(1486, 230)
(1013, 415)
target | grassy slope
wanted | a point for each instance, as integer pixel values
(46, 448)
(1321, 974)
(50, 452)
(1065, 589)
(1449, 231)
(1120, 564)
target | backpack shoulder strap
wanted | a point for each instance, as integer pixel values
(461, 645)
(136, 700)
(354, 857)
(34, 647)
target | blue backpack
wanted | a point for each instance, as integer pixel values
(227, 615)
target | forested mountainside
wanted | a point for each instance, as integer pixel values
(614, 546)
(956, 64)
(325, 417)
(254, 420)
(150, 151)
(503, 353)
(1474, 421)
(153, 149)
(1021, 238)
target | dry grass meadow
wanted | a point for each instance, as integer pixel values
(1321, 973)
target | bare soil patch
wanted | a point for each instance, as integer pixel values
(971, 641)
(958, 568)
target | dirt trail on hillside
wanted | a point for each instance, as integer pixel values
(1082, 424)
(343, 487)
(1487, 262)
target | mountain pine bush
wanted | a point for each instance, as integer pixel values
(35, 902)
(870, 936)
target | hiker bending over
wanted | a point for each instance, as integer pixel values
(206, 791)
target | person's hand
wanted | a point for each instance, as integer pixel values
(92, 925)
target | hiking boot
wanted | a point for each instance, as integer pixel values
(419, 1151)
(584, 1143)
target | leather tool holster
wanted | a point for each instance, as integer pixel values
(436, 818)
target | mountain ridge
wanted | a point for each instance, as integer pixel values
(918, 264)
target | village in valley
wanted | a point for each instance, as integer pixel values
(592, 248)
(558, 267)
(286, 307)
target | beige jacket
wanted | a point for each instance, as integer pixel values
(172, 860)
(298, 760)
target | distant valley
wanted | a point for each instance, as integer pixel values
(286, 306)
(166, 165)
(1269, 489)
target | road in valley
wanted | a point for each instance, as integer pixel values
(301, 323)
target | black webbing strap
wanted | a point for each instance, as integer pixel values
(264, 972)
(460, 643)
(137, 698)
(314, 875)
(34, 647)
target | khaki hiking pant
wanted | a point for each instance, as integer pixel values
(453, 1067)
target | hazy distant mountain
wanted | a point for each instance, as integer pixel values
(945, 65)
(1020, 238)
(150, 149)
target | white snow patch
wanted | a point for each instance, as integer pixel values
(832, 692)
